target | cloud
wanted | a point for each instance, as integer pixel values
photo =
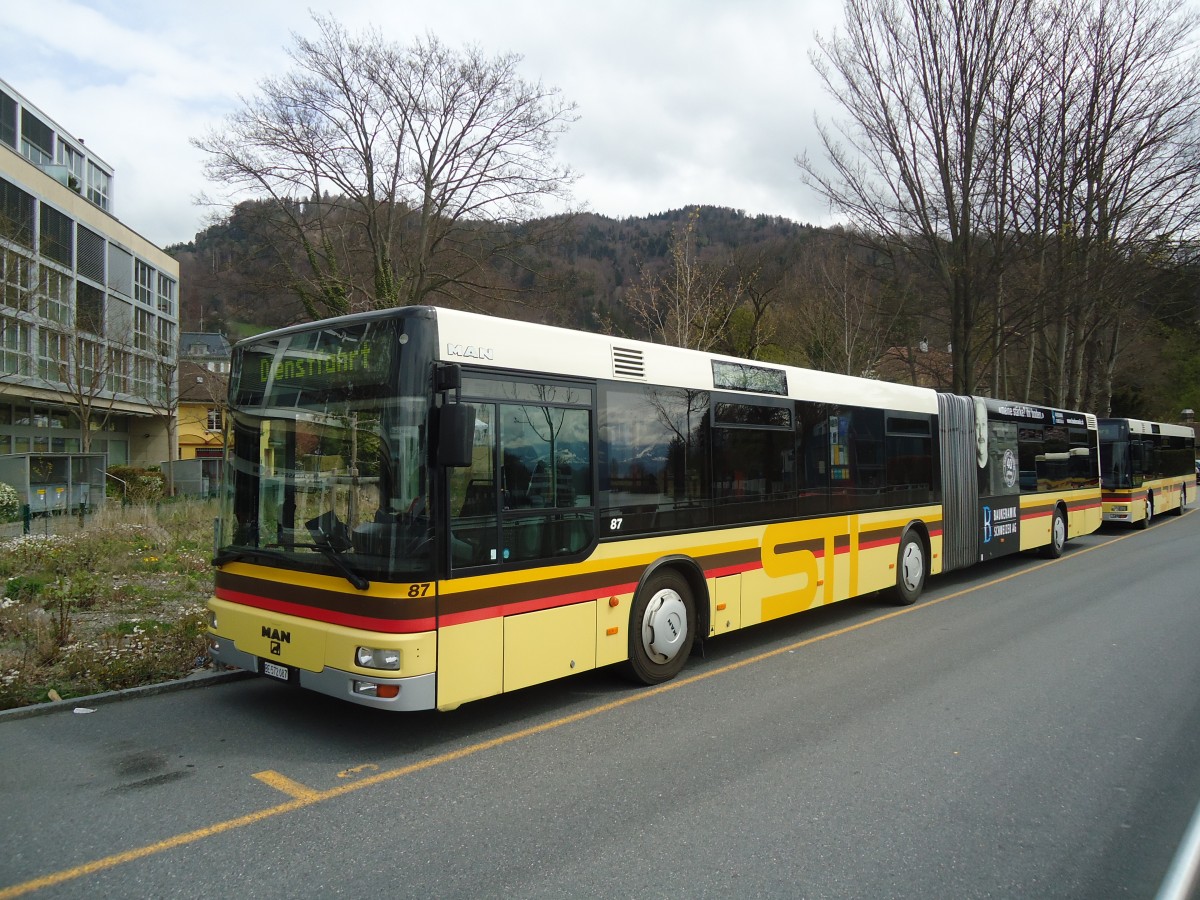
(680, 102)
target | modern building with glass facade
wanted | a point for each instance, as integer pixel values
(89, 309)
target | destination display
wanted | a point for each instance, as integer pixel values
(314, 364)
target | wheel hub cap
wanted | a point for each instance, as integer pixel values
(912, 567)
(664, 626)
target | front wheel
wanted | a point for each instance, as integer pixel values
(910, 570)
(1145, 523)
(662, 628)
(1058, 536)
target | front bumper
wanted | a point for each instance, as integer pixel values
(417, 692)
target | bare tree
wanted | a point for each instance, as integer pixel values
(763, 271)
(838, 317)
(81, 370)
(398, 156)
(162, 396)
(1110, 150)
(1032, 156)
(920, 82)
(690, 304)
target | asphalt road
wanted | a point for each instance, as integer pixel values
(1029, 729)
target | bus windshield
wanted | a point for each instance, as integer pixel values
(327, 460)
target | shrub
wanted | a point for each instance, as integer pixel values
(27, 587)
(10, 503)
(140, 485)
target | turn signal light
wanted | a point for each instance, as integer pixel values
(382, 691)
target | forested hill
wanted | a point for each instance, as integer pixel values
(754, 286)
(233, 279)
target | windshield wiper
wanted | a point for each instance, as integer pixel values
(334, 555)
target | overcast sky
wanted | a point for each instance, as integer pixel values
(680, 102)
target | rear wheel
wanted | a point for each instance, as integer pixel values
(910, 570)
(662, 628)
(1058, 536)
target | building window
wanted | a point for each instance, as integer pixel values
(119, 319)
(215, 422)
(89, 365)
(37, 139)
(14, 347)
(89, 308)
(118, 370)
(56, 236)
(120, 270)
(73, 160)
(53, 350)
(16, 275)
(16, 214)
(143, 328)
(54, 295)
(99, 185)
(143, 283)
(166, 339)
(143, 377)
(89, 254)
(8, 120)
(166, 294)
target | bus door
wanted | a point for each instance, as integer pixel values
(527, 495)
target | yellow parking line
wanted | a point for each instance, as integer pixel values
(287, 786)
(305, 796)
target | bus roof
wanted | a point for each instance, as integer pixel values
(1142, 426)
(525, 346)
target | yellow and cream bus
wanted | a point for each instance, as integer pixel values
(1146, 469)
(424, 507)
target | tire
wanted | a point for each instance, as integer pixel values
(1058, 536)
(910, 570)
(662, 628)
(1145, 523)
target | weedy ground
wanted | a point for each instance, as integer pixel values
(112, 602)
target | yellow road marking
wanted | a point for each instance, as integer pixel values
(286, 785)
(306, 797)
(358, 770)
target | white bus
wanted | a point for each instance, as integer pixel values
(424, 507)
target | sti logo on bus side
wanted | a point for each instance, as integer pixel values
(469, 352)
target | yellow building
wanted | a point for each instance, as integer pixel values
(203, 382)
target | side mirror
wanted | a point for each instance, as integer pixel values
(456, 434)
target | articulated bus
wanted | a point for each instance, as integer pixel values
(424, 507)
(1146, 468)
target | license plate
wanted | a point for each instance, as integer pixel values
(276, 671)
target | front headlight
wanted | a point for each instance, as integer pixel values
(374, 658)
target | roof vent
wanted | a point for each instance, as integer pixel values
(628, 363)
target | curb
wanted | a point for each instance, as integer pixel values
(196, 680)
